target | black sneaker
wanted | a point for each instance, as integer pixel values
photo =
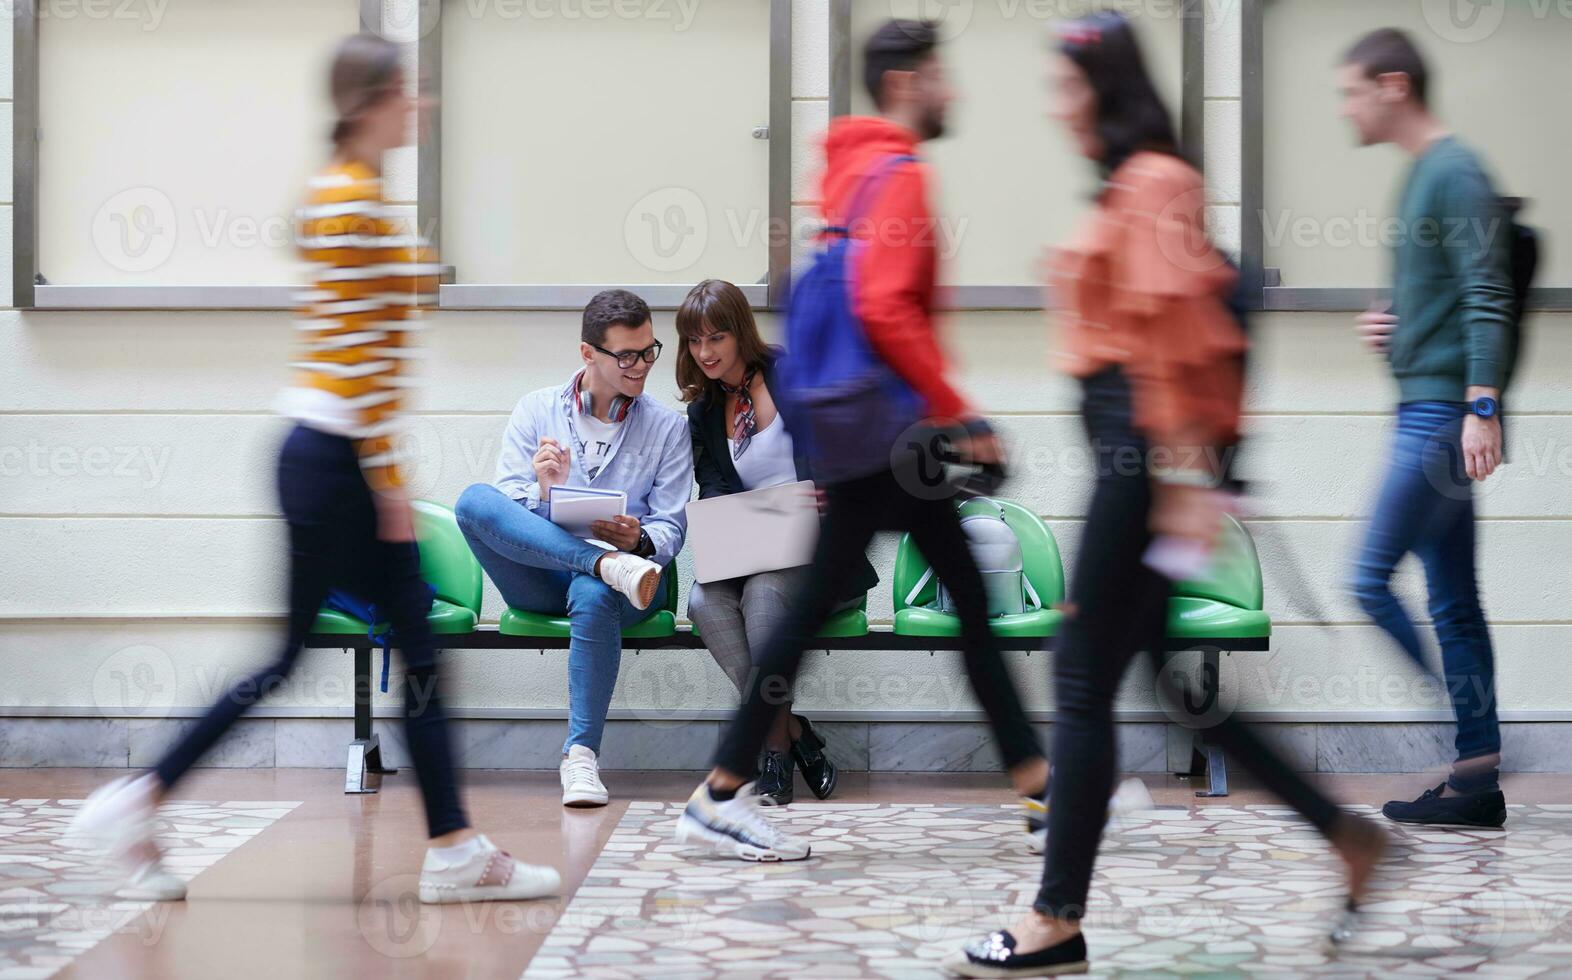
(994, 955)
(817, 769)
(775, 779)
(1486, 809)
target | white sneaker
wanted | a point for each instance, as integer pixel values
(485, 873)
(1129, 798)
(580, 772)
(737, 827)
(635, 577)
(118, 820)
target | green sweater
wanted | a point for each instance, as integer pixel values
(1452, 284)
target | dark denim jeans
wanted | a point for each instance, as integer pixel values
(1121, 610)
(333, 544)
(1427, 507)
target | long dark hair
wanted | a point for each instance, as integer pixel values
(1130, 115)
(715, 305)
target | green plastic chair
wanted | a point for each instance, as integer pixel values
(659, 625)
(1227, 603)
(446, 563)
(1040, 560)
(845, 625)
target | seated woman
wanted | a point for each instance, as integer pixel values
(740, 443)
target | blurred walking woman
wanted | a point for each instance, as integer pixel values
(350, 523)
(1148, 332)
(726, 374)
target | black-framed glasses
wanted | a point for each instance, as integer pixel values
(627, 358)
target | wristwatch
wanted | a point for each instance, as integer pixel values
(646, 546)
(1485, 407)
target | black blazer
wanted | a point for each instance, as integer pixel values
(717, 474)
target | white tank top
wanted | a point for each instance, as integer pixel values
(769, 461)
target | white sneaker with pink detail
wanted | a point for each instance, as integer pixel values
(480, 871)
(118, 821)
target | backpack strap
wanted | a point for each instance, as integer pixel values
(1031, 593)
(927, 575)
(864, 196)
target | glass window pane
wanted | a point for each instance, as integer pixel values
(177, 138)
(1007, 181)
(1499, 76)
(612, 149)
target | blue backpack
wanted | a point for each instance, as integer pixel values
(367, 612)
(845, 406)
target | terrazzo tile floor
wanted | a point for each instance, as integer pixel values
(909, 866)
(1226, 890)
(54, 903)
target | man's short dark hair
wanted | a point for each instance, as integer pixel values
(900, 45)
(612, 308)
(1389, 50)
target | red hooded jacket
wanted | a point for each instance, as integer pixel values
(897, 267)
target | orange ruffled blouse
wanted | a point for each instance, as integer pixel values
(1141, 286)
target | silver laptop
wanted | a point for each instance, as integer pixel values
(757, 531)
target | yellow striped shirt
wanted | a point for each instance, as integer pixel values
(355, 322)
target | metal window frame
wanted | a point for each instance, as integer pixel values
(26, 292)
(769, 295)
(1264, 283)
(24, 254)
(1192, 133)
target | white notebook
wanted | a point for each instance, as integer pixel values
(574, 509)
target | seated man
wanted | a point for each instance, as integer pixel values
(598, 430)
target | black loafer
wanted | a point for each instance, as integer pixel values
(1486, 809)
(775, 779)
(994, 955)
(817, 769)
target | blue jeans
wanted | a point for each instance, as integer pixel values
(540, 568)
(1427, 507)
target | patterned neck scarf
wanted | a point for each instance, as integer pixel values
(747, 422)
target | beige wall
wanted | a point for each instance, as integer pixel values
(142, 546)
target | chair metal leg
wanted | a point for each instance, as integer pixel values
(1207, 759)
(364, 770)
(1216, 771)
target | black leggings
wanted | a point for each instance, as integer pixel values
(856, 509)
(333, 544)
(1121, 608)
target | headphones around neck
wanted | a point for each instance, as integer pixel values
(585, 402)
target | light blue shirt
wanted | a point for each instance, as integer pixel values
(651, 460)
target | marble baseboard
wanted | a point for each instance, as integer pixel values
(1143, 747)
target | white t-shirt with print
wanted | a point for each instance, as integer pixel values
(597, 437)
